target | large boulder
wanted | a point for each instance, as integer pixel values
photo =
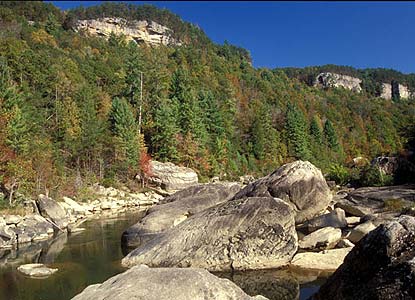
(324, 238)
(171, 177)
(248, 233)
(51, 210)
(175, 209)
(326, 260)
(144, 283)
(380, 266)
(300, 184)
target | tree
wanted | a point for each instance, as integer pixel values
(125, 130)
(297, 130)
(330, 136)
(315, 131)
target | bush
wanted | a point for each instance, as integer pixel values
(339, 174)
(373, 176)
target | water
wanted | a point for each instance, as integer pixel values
(94, 255)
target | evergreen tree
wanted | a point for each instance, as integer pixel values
(125, 129)
(17, 131)
(315, 131)
(297, 131)
(330, 136)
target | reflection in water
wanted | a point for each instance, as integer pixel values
(94, 255)
(280, 284)
(85, 258)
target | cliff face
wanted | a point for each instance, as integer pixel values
(328, 79)
(337, 80)
(146, 32)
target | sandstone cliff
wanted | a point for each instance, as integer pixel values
(328, 79)
(148, 32)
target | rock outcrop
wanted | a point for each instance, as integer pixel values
(300, 184)
(177, 208)
(386, 164)
(248, 233)
(389, 89)
(148, 32)
(328, 79)
(144, 283)
(327, 260)
(51, 210)
(171, 177)
(381, 266)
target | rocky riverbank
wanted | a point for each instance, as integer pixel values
(45, 217)
(289, 218)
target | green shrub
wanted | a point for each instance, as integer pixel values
(373, 176)
(339, 174)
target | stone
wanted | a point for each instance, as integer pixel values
(355, 208)
(386, 164)
(36, 270)
(357, 233)
(336, 219)
(327, 80)
(52, 210)
(344, 243)
(324, 238)
(144, 283)
(175, 209)
(352, 220)
(148, 32)
(171, 177)
(381, 194)
(243, 234)
(327, 260)
(381, 266)
(299, 183)
(75, 206)
(12, 219)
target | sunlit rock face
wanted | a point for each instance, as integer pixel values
(328, 79)
(148, 32)
(388, 90)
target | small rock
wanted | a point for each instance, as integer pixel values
(357, 233)
(36, 270)
(324, 238)
(327, 260)
(352, 220)
(336, 219)
(344, 243)
(12, 219)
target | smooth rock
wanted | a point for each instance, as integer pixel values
(344, 243)
(352, 220)
(52, 210)
(250, 233)
(300, 184)
(12, 219)
(357, 233)
(36, 270)
(381, 266)
(171, 177)
(336, 219)
(175, 209)
(75, 206)
(327, 260)
(324, 238)
(144, 283)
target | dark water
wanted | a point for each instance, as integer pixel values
(94, 255)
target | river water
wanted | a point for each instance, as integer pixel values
(94, 255)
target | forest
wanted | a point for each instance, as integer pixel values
(69, 107)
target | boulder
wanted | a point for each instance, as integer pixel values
(344, 243)
(12, 219)
(336, 218)
(36, 270)
(381, 266)
(248, 233)
(352, 220)
(75, 206)
(32, 227)
(175, 209)
(327, 260)
(144, 283)
(300, 184)
(324, 238)
(50, 209)
(171, 177)
(357, 233)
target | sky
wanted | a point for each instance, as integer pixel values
(299, 34)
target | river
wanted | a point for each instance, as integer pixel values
(94, 255)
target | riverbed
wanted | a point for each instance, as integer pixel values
(94, 255)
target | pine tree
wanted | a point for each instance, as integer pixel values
(17, 131)
(315, 131)
(330, 136)
(125, 129)
(297, 130)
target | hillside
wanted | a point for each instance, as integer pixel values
(70, 102)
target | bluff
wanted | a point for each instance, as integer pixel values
(148, 32)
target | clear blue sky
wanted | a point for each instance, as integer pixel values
(279, 34)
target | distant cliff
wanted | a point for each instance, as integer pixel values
(388, 91)
(148, 32)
